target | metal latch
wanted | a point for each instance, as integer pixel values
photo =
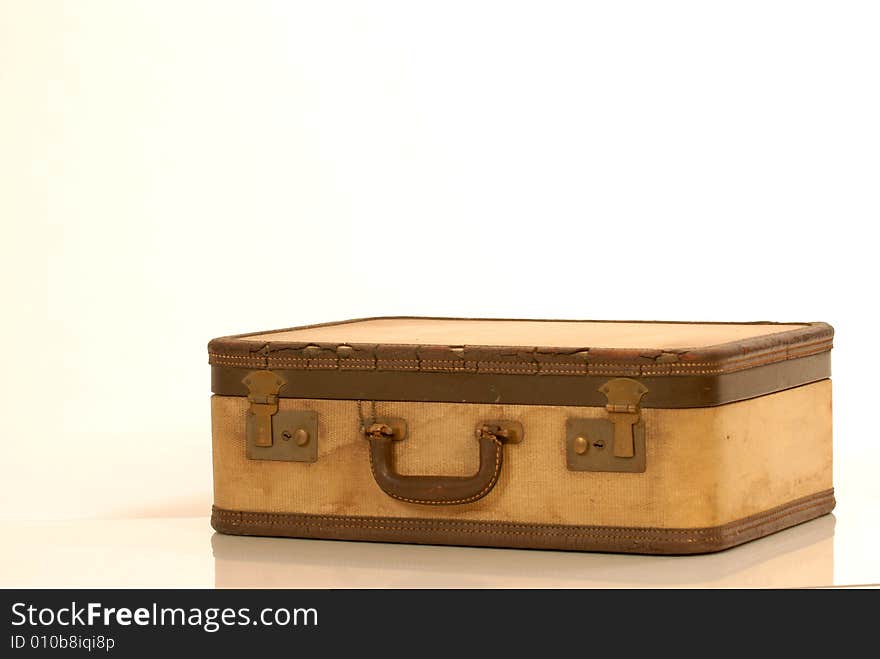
(615, 443)
(263, 388)
(288, 435)
(624, 396)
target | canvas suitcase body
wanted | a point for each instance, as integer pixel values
(644, 437)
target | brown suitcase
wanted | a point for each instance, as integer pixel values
(648, 437)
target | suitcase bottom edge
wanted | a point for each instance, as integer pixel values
(470, 533)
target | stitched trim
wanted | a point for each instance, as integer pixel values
(780, 511)
(488, 363)
(723, 533)
(722, 536)
(528, 367)
(478, 495)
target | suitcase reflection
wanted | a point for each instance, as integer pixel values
(801, 556)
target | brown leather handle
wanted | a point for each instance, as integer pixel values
(437, 490)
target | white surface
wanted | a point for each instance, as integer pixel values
(174, 171)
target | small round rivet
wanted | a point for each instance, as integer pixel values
(580, 445)
(301, 437)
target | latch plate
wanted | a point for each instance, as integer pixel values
(613, 443)
(294, 437)
(589, 446)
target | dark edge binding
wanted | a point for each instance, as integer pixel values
(240, 351)
(507, 389)
(633, 540)
(698, 377)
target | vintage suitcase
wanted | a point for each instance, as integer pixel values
(648, 437)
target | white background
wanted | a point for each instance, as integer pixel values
(175, 171)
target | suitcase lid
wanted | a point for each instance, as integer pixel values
(541, 362)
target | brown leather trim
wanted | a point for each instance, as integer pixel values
(580, 390)
(525, 536)
(239, 351)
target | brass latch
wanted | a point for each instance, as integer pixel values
(615, 442)
(289, 435)
(623, 396)
(263, 388)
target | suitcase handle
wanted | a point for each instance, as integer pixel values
(441, 490)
